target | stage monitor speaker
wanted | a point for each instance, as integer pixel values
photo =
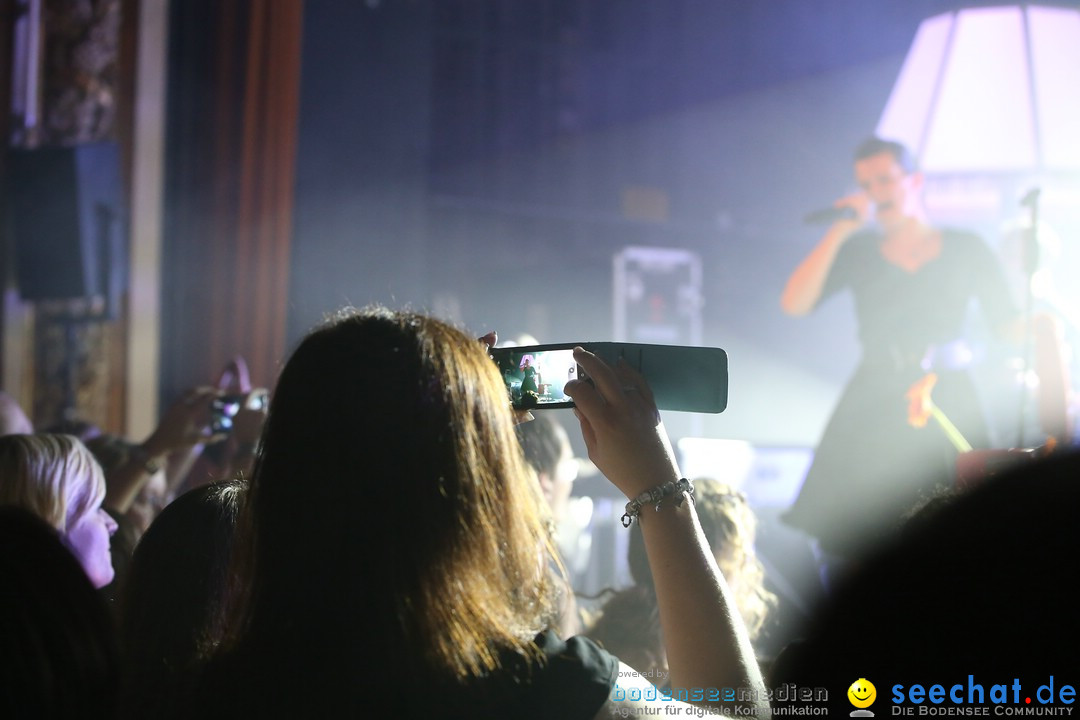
(67, 221)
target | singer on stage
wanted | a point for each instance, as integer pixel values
(912, 284)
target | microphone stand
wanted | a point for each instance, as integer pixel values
(1030, 257)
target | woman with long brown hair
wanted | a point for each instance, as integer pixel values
(394, 546)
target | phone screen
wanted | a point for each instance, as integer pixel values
(222, 411)
(683, 378)
(535, 378)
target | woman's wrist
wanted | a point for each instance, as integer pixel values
(650, 471)
(151, 460)
(671, 492)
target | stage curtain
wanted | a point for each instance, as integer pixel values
(234, 79)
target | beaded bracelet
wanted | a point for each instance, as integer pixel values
(658, 494)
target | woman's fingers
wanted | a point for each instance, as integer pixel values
(604, 379)
(621, 426)
(634, 382)
(588, 404)
(622, 389)
(587, 432)
(589, 408)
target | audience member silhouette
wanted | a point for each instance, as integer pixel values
(57, 651)
(629, 624)
(393, 546)
(172, 603)
(547, 450)
(56, 478)
(114, 454)
(980, 585)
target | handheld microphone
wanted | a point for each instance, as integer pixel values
(829, 215)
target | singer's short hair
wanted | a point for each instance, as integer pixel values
(875, 146)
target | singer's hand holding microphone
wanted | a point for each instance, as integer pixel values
(854, 208)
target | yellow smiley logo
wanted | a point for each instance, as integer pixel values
(862, 693)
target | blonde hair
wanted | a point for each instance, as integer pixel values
(53, 476)
(730, 526)
(629, 625)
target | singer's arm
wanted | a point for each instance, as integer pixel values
(803, 288)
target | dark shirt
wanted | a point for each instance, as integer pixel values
(572, 682)
(914, 310)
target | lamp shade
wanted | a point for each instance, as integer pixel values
(991, 90)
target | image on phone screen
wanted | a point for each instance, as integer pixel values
(536, 378)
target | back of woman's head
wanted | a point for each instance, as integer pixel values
(390, 507)
(175, 592)
(53, 476)
(111, 451)
(542, 441)
(57, 653)
(730, 527)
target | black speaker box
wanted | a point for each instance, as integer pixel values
(68, 222)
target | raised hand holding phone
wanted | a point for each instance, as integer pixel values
(185, 423)
(706, 642)
(685, 378)
(621, 425)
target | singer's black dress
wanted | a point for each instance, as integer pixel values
(528, 382)
(871, 465)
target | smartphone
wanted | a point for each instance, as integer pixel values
(225, 407)
(222, 411)
(688, 379)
